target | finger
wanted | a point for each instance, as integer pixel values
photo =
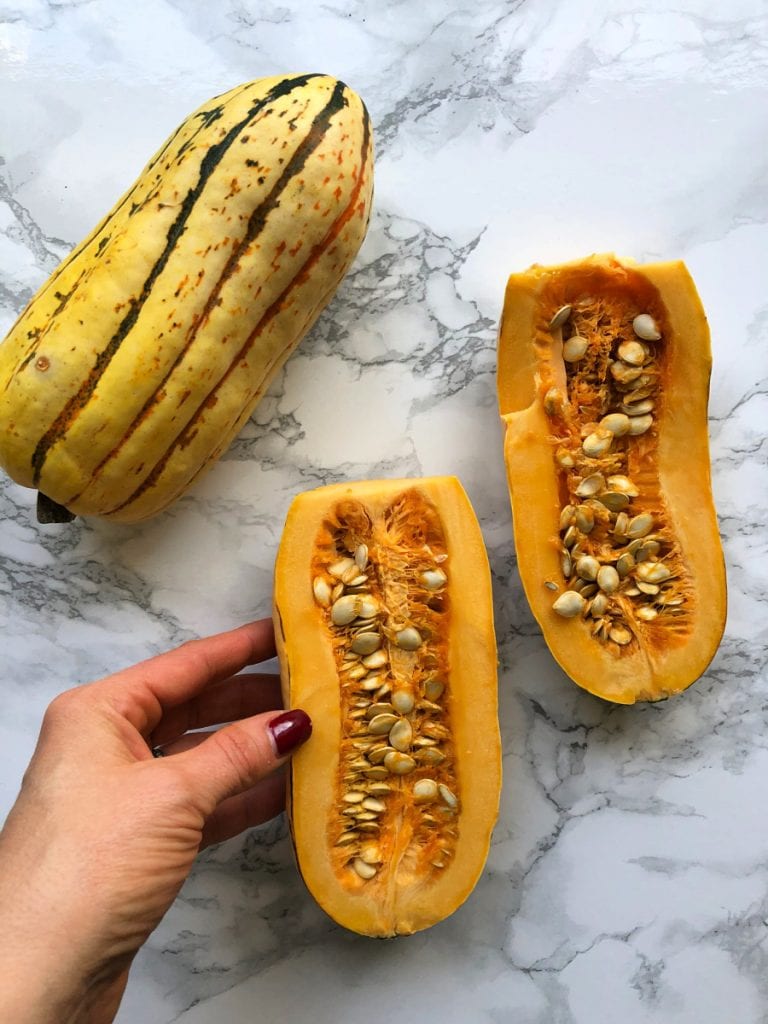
(228, 701)
(234, 815)
(141, 693)
(233, 759)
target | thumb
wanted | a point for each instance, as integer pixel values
(233, 759)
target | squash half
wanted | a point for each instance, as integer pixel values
(393, 799)
(603, 383)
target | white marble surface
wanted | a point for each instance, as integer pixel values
(627, 880)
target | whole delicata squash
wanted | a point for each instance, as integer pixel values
(384, 625)
(138, 362)
(603, 380)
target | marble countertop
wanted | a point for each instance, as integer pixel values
(628, 874)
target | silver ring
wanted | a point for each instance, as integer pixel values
(158, 752)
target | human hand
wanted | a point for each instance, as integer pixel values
(103, 834)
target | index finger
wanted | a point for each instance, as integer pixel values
(142, 692)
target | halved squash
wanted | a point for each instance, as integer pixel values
(603, 381)
(384, 625)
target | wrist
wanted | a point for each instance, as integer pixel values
(40, 989)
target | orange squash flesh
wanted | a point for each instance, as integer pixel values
(667, 613)
(423, 855)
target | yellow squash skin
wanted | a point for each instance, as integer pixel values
(402, 899)
(668, 653)
(141, 358)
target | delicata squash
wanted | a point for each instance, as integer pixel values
(603, 381)
(140, 359)
(384, 625)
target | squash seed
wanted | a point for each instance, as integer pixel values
(345, 610)
(623, 373)
(571, 536)
(448, 797)
(596, 444)
(368, 606)
(584, 519)
(616, 422)
(352, 577)
(590, 485)
(377, 755)
(371, 854)
(361, 556)
(381, 724)
(621, 525)
(564, 458)
(430, 756)
(639, 408)
(645, 327)
(343, 565)
(357, 581)
(353, 797)
(401, 735)
(399, 763)
(648, 550)
(587, 568)
(408, 639)
(376, 806)
(640, 525)
(379, 787)
(620, 635)
(617, 482)
(653, 572)
(376, 660)
(403, 701)
(346, 838)
(615, 501)
(322, 591)
(575, 348)
(640, 424)
(598, 605)
(371, 682)
(379, 709)
(566, 517)
(566, 564)
(365, 871)
(608, 579)
(632, 352)
(646, 613)
(569, 605)
(560, 317)
(433, 689)
(433, 579)
(553, 401)
(366, 643)
(424, 791)
(624, 564)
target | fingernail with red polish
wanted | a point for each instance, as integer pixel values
(290, 730)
